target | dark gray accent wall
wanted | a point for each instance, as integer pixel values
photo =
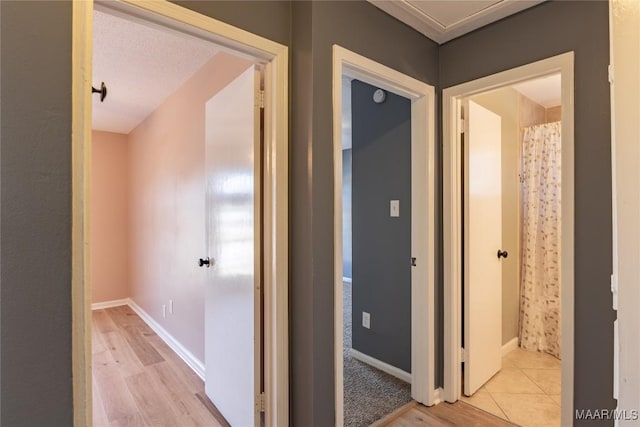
(267, 18)
(302, 309)
(364, 29)
(381, 138)
(549, 29)
(35, 176)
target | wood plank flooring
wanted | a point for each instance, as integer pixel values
(139, 381)
(442, 415)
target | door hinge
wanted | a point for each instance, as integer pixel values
(614, 291)
(261, 99)
(610, 72)
(461, 120)
(261, 403)
(463, 355)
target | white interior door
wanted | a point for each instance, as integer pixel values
(483, 239)
(232, 301)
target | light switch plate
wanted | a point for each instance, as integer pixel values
(394, 208)
(366, 320)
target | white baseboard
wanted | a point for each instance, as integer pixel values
(510, 346)
(383, 366)
(196, 365)
(109, 304)
(346, 279)
(438, 395)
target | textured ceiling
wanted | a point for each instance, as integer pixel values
(141, 66)
(545, 91)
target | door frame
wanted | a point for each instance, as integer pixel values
(453, 219)
(275, 58)
(422, 98)
(624, 30)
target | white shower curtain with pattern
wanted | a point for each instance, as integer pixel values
(540, 239)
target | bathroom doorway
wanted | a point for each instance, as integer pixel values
(508, 230)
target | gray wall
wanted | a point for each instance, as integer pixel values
(35, 181)
(381, 138)
(267, 18)
(362, 28)
(550, 29)
(35, 177)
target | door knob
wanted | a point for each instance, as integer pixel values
(204, 261)
(502, 254)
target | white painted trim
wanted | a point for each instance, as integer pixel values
(192, 361)
(109, 304)
(452, 217)
(422, 98)
(383, 366)
(510, 346)
(438, 396)
(404, 11)
(275, 58)
(624, 30)
(346, 279)
(81, 80)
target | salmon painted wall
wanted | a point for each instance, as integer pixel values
(167, 204)
(109, 216)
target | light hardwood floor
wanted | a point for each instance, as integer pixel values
(139, 381)
(442, 415)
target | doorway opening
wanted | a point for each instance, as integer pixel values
(366, 354)
(509, 235)
(186, 198)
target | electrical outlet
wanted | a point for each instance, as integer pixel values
(164, 310)
(366, 320)
(170, 306)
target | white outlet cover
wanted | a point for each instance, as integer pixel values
(394, 208)
(366, 320)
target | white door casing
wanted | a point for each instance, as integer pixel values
(232, 295)
(625, 131)
(453, 223)
(422, 96)
(483, 239)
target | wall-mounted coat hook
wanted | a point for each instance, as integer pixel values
(102, 91)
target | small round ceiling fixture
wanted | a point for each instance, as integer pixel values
(379, 96)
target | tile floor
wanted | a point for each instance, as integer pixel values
(526, 391)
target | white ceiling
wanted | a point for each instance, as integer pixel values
(141, 66)
(443, 20)
(545, 91)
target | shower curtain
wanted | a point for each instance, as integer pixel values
(540, 239)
